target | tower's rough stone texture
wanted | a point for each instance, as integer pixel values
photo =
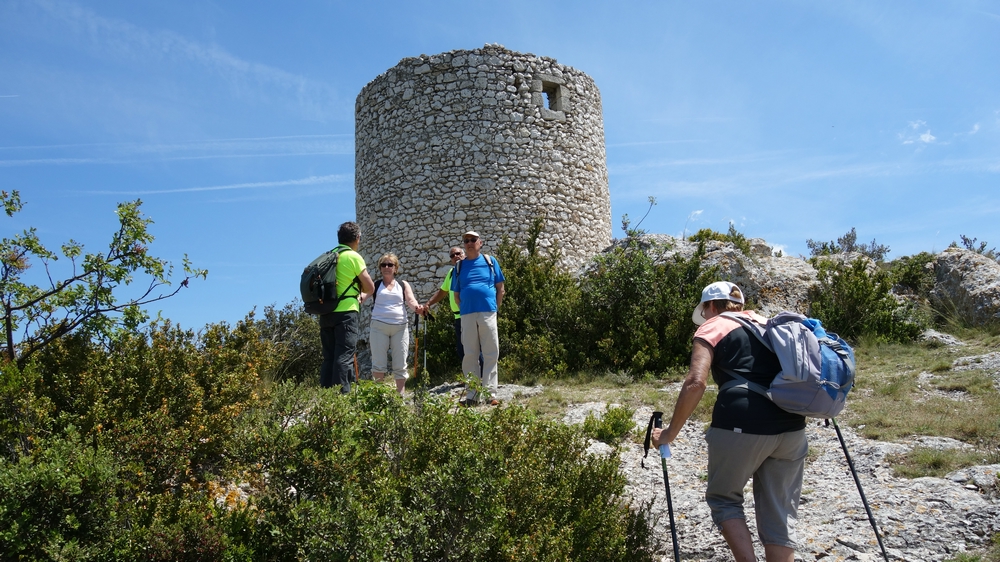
(484, 140)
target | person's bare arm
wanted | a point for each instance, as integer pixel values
(411, 301)
(500, 293)
(367, 285)
(440, 295)
(691, 392)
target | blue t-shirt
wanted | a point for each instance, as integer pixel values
(475, 285)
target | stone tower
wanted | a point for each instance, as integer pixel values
(482, 140)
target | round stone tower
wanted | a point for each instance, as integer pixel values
(484, 140)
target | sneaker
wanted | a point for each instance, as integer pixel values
(494, 402)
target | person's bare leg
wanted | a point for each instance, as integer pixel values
(378, 376)
(737, 536)
(400, 386)
(776, 553)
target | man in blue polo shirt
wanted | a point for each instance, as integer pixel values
(478, 288)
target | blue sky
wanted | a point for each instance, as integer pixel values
(233, 121)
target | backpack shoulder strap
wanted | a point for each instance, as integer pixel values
(741, 381)
(493, 271)
(751, 326)
(375, 291)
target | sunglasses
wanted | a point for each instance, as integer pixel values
(456, 254)
(387, 265)
(470, 240)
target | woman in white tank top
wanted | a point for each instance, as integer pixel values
(390, 331)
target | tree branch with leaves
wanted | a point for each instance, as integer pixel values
(87, 297)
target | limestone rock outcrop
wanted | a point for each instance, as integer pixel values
(771, 283)
(968, 285)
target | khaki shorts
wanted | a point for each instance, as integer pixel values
(775, 462)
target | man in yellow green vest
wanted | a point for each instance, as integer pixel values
(338, 330)
(456, 254)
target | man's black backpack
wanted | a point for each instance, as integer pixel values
(319, 283)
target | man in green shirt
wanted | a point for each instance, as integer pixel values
(456, 254)
(338, 330)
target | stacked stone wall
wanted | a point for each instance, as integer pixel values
(486, 140)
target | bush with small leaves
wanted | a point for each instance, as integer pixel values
(855, 301)
(616, 424)
(362, 477)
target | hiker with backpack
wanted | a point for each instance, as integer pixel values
(390, 328)
(478, 284)
(338, 326)
(750, 436)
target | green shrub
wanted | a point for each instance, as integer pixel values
(616, 424)
(294, 336)
(733, 236)
(982, 248)
(854, 301)
(362, 477)
(537, 316)
(848, 244)
(635, 309)
(24, 417)
(164, 401)
(911, 274)
(60, 502)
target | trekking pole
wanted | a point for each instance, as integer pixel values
(656, 420)
(431, 316)
(357, 371)
(864, 500)
(416, 344)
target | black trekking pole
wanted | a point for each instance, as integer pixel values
(431, 317)
(656, 420)
(864, 500)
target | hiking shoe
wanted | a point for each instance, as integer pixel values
(468, 403)
(494, 402)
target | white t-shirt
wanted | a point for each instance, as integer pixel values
(389, 308)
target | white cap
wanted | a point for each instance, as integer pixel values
(471, 233)
(720, 290)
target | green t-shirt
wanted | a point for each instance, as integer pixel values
(350, 264)
(446, 286)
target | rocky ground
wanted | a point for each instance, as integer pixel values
(923, 519)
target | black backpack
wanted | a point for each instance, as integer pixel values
(319, 283)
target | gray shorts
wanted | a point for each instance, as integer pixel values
(775, 462)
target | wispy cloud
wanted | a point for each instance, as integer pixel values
(309, 181)
(125, 40)
(10, 96)
(913, 135)
(654, 143)
(692, 162)
(129, 153)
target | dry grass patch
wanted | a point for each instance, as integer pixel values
(891, 405)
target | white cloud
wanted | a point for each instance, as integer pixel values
(975, 129)
(912, 135)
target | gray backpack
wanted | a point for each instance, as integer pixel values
(817, 368)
